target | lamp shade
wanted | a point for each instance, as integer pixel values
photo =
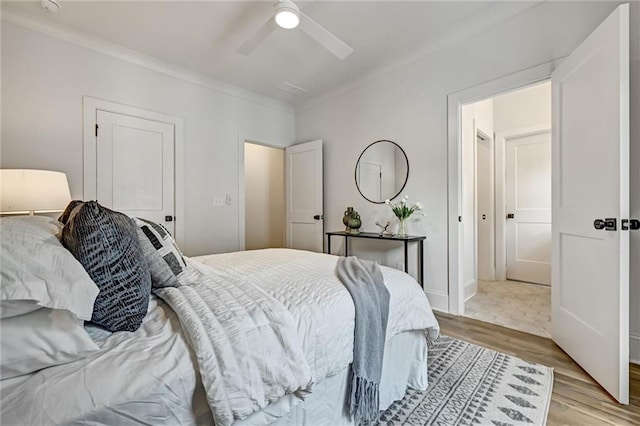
(30, 191)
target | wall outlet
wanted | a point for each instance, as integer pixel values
(218, 201)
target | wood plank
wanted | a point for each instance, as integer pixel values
(577, 399)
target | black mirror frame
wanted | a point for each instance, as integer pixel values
(355, 172)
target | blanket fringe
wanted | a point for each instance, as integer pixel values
(365, 400)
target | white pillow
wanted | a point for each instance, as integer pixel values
(41, 339)
(12, 308)
(35, 266)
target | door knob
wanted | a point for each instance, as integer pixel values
(510, 215)
(318, 217)
(168, 218)
(608, 224)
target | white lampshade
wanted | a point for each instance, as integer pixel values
(30, 191)
(287, 14)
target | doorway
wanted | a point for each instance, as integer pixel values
(506, 192)
(264, 195)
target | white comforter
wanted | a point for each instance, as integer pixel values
(322, 309)
(245, 342)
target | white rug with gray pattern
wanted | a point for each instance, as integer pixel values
(472, 385)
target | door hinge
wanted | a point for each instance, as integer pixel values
(96, 130)
(630, 224)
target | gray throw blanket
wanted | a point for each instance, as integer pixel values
(363, 279)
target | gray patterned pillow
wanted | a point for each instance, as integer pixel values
(106, 243)
(166, 263)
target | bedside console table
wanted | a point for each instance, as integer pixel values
(376, 236)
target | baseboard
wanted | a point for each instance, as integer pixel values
(470, 289)
(634, 348)
(438, 301)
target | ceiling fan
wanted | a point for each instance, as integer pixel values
(287, 15)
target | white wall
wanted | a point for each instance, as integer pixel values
(264, 196)
(409, 105)
(44, 80)
(523, 108)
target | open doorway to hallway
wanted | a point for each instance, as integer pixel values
(506, 193)
(264, 195)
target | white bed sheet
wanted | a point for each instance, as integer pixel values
(162, 386)
(145, 377)
(151, 377)
(405, 364)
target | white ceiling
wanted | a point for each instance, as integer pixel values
(203, 36)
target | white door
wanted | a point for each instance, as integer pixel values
(304, 196)
(528, 203)
(484, 207)
(590, 270)
(370, 180)
(135, 167)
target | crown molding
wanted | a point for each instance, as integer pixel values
(122, 53)
(486, 19)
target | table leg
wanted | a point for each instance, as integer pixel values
(421, 263)
(328, 244)
(346, 246)
(406, 257)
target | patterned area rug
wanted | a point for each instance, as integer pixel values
(472, 385)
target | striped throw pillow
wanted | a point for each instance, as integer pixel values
(165, 260)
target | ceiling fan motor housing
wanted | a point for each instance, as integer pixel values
(50, 5)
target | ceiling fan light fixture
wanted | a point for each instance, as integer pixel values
(287, 14)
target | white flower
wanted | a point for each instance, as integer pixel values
(419, 206)
(406, 197)
(387, 202)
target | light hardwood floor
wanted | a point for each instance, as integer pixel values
(577, 399)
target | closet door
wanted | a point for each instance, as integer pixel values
(304, 196)
(135, 167)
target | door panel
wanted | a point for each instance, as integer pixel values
(590, 274)
(136, 187)
(304, 196)
(528, 198)
(135, 166)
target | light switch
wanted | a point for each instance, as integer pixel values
(228, 199)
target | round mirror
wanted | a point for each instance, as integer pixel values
(382, 171)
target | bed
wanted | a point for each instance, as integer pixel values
(155, 375)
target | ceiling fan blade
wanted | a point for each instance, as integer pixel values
(257, 38)
(327, 40)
